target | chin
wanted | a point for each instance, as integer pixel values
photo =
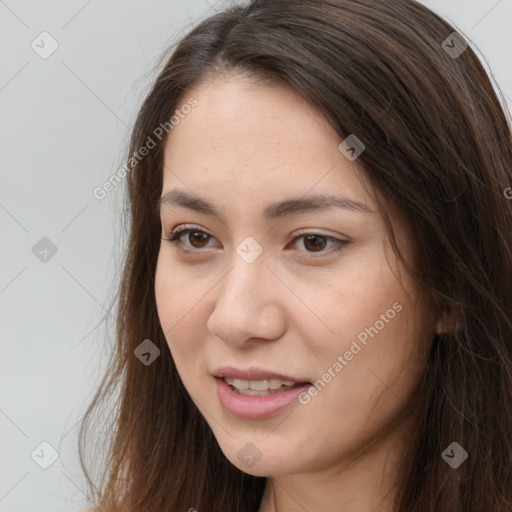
(261, 457)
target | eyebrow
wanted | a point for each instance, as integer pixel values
(291, 206)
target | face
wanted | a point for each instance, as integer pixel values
(264, 287)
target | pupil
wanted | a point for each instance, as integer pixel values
(202, 236)
(315, 240)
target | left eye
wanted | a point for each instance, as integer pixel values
(317, 242)
(314, 242)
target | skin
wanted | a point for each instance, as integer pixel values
(293, 310)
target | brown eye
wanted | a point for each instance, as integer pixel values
(323, 245)
(314, 242)
(199, 237)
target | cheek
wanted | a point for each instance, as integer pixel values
(382, 338)
(180, 308)
(347, 301)
(376, 324)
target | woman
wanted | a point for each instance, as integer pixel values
(315, 309)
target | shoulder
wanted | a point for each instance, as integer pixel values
(97, 509)
(93, 510)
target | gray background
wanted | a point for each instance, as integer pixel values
(64, 123)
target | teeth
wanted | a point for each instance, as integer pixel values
(258, 385)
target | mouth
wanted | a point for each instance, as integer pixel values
(257, 381)
(263, 387)
(256, 393)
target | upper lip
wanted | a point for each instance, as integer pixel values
(253, 373)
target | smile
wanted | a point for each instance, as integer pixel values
(260, 387)
(258, 404)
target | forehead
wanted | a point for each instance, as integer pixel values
(257, 141)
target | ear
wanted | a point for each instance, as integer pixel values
(448, 322)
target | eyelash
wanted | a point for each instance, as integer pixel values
(174, 239)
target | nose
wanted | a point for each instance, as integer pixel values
(248, 304)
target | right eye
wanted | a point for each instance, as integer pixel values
(199, 237)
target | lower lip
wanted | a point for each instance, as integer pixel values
(256, 407)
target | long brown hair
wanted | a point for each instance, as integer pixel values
(438, 145)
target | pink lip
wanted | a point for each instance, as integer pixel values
(256, 407)
(253, 373)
